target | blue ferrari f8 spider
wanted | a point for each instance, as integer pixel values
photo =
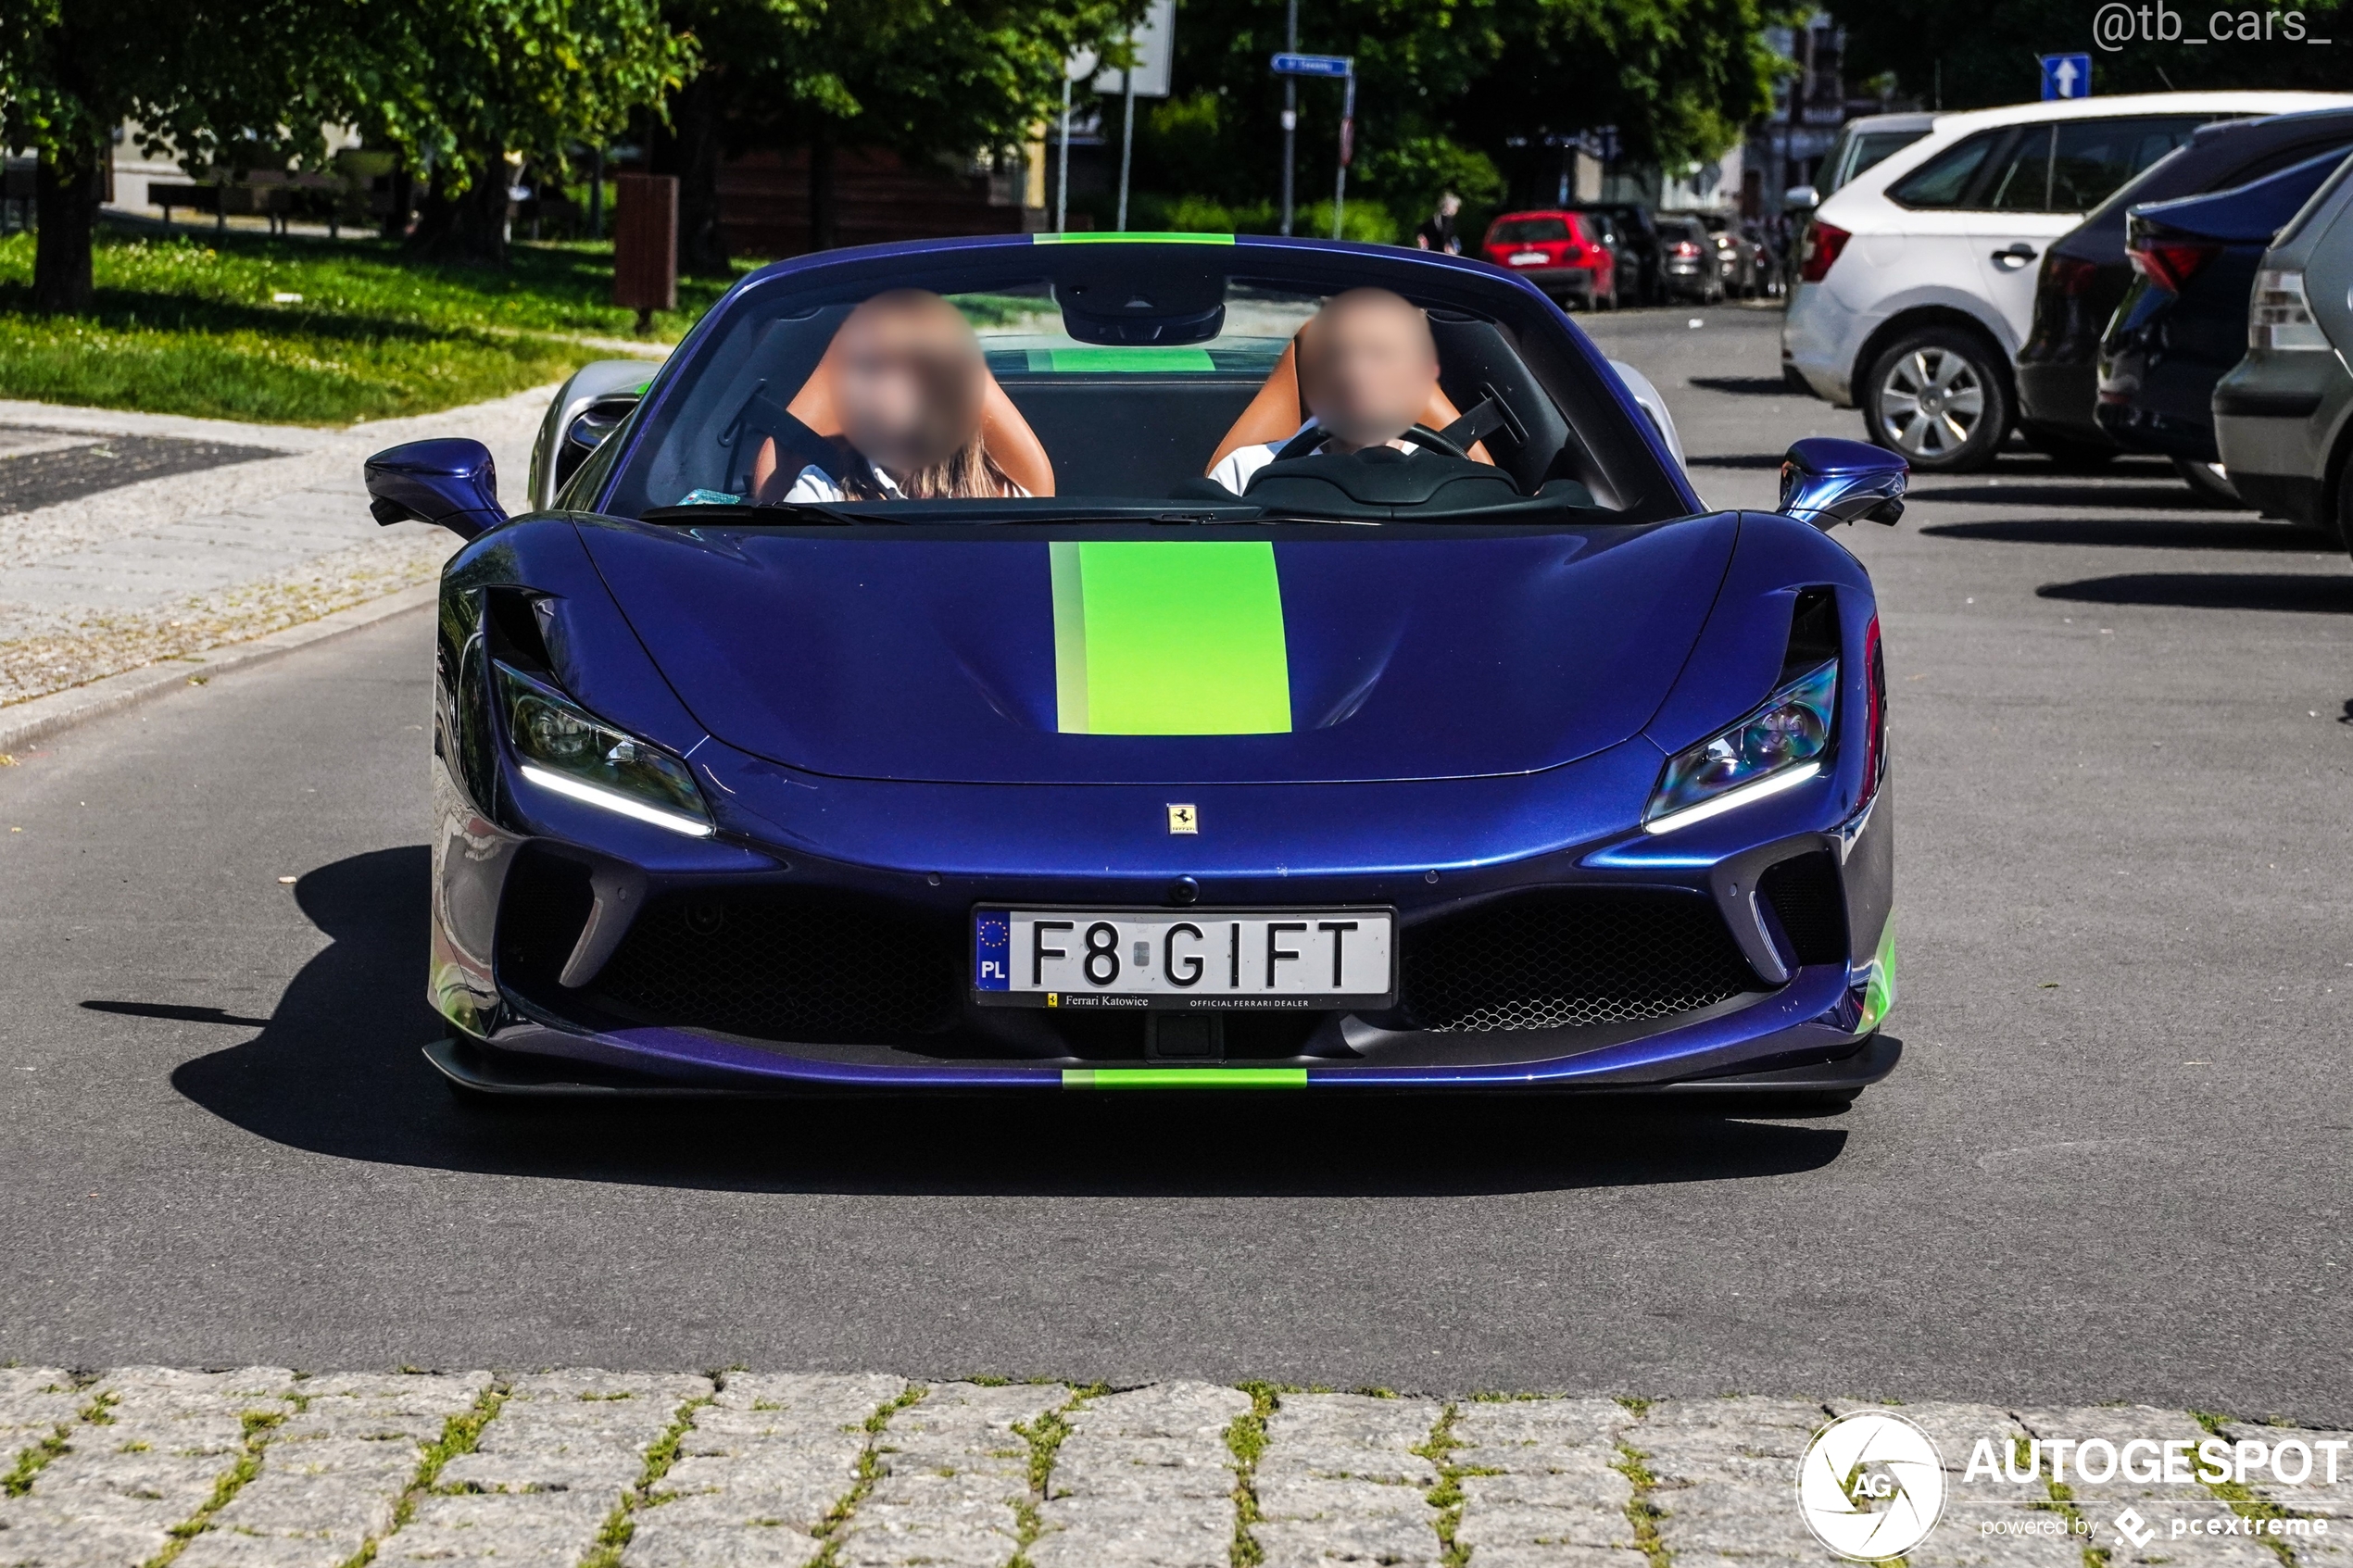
(1101, 661)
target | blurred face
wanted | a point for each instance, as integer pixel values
(1449, 206)
(911, 380)
(1370, 367)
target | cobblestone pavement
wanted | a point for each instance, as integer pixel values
(262, 1467)
(130, 538)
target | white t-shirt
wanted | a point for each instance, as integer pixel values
(1243, 461)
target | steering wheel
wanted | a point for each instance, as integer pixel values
(1422, 435)
(1307, 440)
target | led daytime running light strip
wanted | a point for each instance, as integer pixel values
(612, 801)
(1773, 784)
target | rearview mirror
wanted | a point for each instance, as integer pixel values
(449, 482)
(1827, 481)
(1801, 195)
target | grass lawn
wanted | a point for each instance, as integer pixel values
(193, 325)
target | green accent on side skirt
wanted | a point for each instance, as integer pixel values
(1137, 236)
(1120, 362)
(1169, 637)
(1184, 1077)
(1879, 993)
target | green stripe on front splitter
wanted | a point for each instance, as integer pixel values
(1169, 637)
(1184, 1077)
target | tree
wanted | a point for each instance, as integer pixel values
(460, 86)
(1973, 58)
(926, 78)
(1446, 87)
(212, 80)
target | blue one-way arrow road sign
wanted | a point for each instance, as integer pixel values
(1314, 64)
(2067, 76)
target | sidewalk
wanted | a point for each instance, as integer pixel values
(264, 1468)
(129, 539)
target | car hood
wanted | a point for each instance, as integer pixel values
(1312, 655)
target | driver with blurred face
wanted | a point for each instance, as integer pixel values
(1367, 369)
(910, 392)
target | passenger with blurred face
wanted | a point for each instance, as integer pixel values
(1368, 370)
(908, 391)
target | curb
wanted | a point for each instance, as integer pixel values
(22, 723)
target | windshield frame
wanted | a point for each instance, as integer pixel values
(1603, 416)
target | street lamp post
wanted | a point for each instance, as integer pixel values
(1290, 108)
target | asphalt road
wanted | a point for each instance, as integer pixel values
(2113, 1165)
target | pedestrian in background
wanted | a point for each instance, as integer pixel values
(1436, 232)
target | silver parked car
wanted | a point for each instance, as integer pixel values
(2284, 416)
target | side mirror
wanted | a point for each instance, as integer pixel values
(1801, 195)
(450, 482)
(1827, 481)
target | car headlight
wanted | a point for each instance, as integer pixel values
(1777, 747)
(565, 750)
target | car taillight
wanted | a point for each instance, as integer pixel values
(1685, 247)
(2071, 275)
(1823, 243)
(2170, 263)
(2279, 316)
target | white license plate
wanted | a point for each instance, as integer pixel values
(1530, 258)
(1239, 958)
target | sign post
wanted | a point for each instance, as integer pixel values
(2067, 76)
(1152, 43)
(1290, 64)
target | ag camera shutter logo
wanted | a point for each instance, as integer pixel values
(1872, 1485)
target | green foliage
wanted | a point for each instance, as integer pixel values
(1975, 58)
(1445, 87)
(463, 83)
(929, 77)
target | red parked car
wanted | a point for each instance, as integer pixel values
(1560, 252)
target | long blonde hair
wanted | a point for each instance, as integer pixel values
(969, 473)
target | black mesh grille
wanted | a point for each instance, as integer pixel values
(1806, 900)
(786, 967)
(1561, 956)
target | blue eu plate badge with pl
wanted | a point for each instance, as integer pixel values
(992, 949)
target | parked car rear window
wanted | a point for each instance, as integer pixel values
(1527, 231)
(1945, 179)
(2092, 157)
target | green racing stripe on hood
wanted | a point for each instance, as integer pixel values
(1184, 1077)
(1169, 637)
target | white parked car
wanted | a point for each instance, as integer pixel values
(1916, 279)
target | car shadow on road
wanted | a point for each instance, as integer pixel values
(338, 1070)
(2141, 533)
(2311, 594)
(2047, 490)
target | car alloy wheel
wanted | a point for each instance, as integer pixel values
(1935, 398)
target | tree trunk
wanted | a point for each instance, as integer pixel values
(824, 226)
(470, 227)
(65, 192)
(403, 194)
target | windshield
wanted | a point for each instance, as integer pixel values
(1020, 381)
